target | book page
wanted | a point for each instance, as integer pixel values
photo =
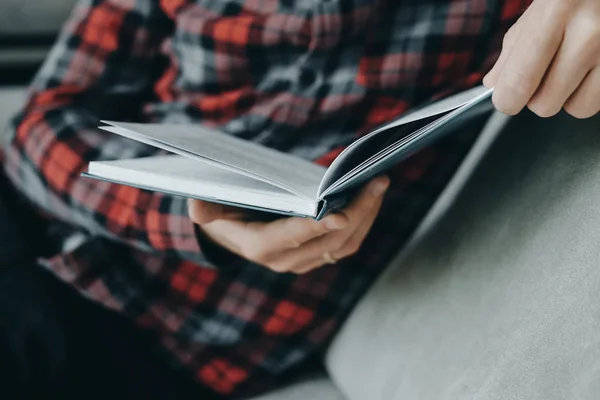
(183, 176)
(247, 158)
(439, 107)
(375, 143)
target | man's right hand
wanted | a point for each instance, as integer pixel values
(296, 245)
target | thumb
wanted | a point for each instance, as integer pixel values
(203, 212)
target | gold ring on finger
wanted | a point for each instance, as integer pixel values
(329, 259)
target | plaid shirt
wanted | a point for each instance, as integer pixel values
(303, 76)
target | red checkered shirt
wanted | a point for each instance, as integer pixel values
(303, 76)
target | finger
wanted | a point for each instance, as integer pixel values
(309, 266)
(585, 102)
(507, 44)
(203, 212)
(250, 240)
(277, 244)
(367, 199)
(364, 206)
(291, 233)
(264, 242)
(350, 247)
(286, 247)
(355, 241)
(282, 264)
(577, 55)
(530, 57)
(228, 233)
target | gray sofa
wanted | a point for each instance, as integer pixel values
(497, 295)
(34, 23)
(33, 16)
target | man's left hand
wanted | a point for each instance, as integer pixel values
(550, 60)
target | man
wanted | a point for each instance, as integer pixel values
(215, 304)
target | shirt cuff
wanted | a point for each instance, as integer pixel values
(216, 254)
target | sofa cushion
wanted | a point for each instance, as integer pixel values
(33, 16)
(499, 299)
(11, 101)
(313, 389)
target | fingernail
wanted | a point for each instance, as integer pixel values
(379, 187)
(334, 224)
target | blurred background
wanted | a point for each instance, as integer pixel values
(27, 30)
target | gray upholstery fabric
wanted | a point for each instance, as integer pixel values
(499, 299)
(314, 389)
(33, 16)
(11, 100)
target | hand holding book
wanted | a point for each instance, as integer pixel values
(292, 244)
(224, 174)
(550, 61)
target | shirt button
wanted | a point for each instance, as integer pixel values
(307, 77)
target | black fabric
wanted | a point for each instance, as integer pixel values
(216, 254)
(54, 344)
(21, 230)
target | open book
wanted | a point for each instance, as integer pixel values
(217, 167)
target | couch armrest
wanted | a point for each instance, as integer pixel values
(33, 16)
(499, 299)
(11, 101)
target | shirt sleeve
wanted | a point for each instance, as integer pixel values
(103, 66)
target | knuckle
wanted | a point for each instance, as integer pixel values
(587, 29)
(509, 37)
(562, 8)
(590, 24)
(517, 81)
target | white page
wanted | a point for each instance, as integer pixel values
(294, 174)
(186, 177)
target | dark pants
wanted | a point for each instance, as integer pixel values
(56, 344)
(20, 230)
